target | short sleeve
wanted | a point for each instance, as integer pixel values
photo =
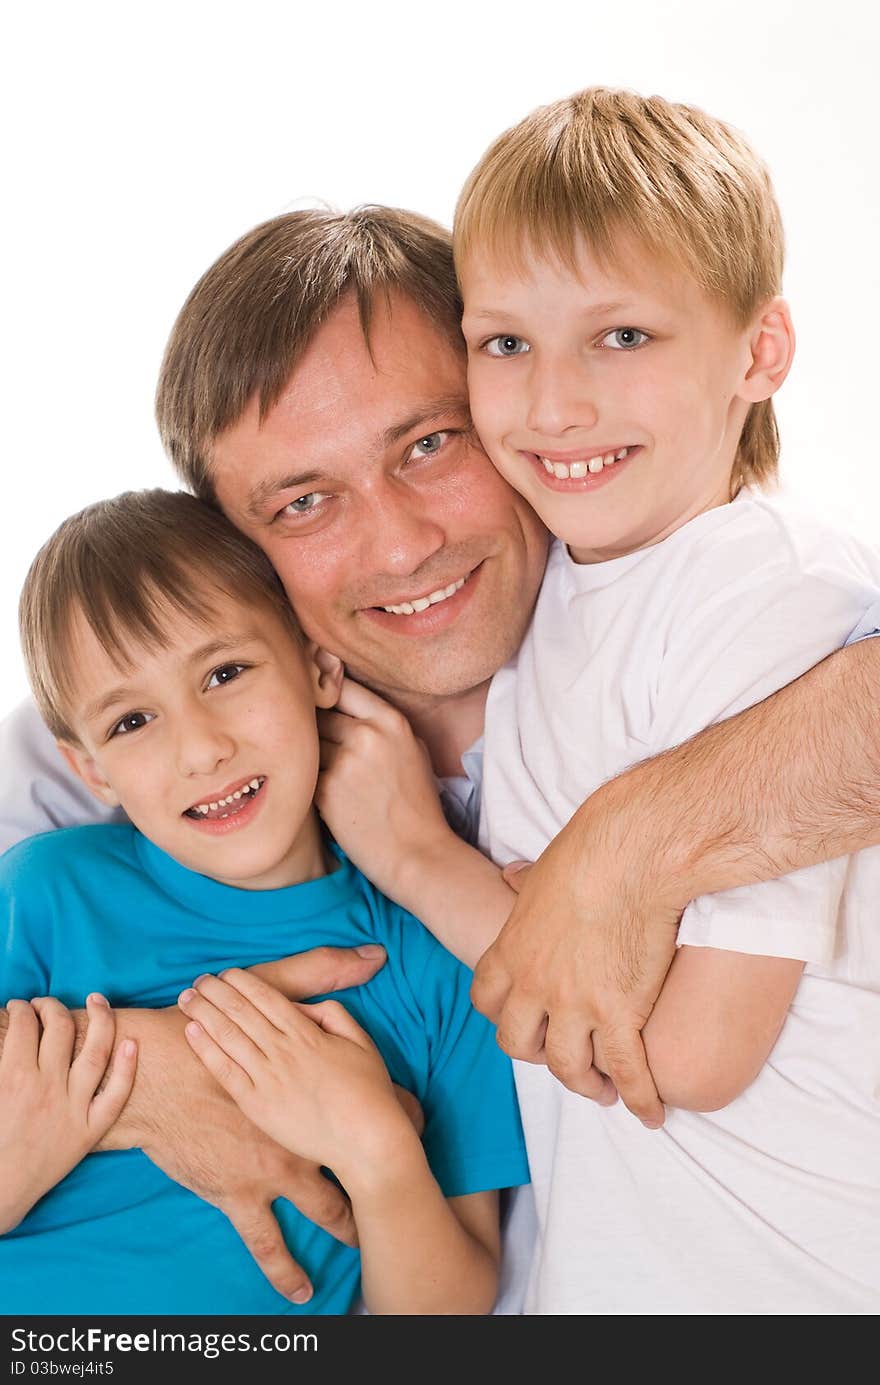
(754, 620)
(473, 1136)
(868, 626)
(25, 924)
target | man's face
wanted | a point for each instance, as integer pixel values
(401, 548)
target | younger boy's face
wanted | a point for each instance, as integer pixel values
(612, 399)
(210, 745)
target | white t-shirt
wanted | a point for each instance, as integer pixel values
(772, 1205)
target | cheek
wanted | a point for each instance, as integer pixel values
(491, 401)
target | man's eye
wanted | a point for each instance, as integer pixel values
(132, 721)
(226, 673)
(506, 346)
(429, 445)
(625, 338)
(304, 504)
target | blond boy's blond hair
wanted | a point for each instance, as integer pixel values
(604, 165)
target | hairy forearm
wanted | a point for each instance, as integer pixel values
(154, 1031)
(791, 781)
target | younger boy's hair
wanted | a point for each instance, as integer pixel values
(119, 565)
(604, 164)
(254, 312)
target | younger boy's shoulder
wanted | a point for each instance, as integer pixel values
(50, 854)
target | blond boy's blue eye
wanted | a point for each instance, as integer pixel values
(507, 345)
(625, 338)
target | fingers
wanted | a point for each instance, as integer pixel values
(413, 1108)
(516, 873)
(323, 969)
(22, 1045)
(627, 1064)
(232, 1077)
(490, 986)
(333, 1018)
(521, 1031)
(321, 1200)
(333, 727)
(89, 1066)
(261, 1234)
(569, 1056)
(107, 1106)
(357, 701)
(230, 1020)
(59, 1033)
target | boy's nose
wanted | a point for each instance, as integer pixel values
(560, 398)
(203, 746)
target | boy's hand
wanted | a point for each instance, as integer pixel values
(308, 1075)
(195, 1133)
(575, 971)
(53, 1113)
(376, 791)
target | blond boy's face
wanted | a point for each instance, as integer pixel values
(612, 399)
(210, 745)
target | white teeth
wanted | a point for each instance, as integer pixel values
(236, 795)
(409, 608)
(578, 470)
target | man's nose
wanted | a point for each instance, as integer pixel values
(403, 533)
(561, 397)
(203, 744)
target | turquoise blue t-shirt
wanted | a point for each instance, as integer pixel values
(101, 908)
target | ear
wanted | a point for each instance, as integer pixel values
(85, 768)
(772, 352)
(327, 672)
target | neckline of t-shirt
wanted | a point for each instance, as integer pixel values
(203, 895)
(592, 576)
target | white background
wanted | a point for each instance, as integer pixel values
(142, 140)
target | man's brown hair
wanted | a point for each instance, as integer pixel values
(119, 565)
(610, 168)
(252, 315)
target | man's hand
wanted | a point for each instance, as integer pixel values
(196, 1134)
(575, 971)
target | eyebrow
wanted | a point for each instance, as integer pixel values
(594, 310)
(125, 693)
(422, 414)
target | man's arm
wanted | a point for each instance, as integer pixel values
(790, 782)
